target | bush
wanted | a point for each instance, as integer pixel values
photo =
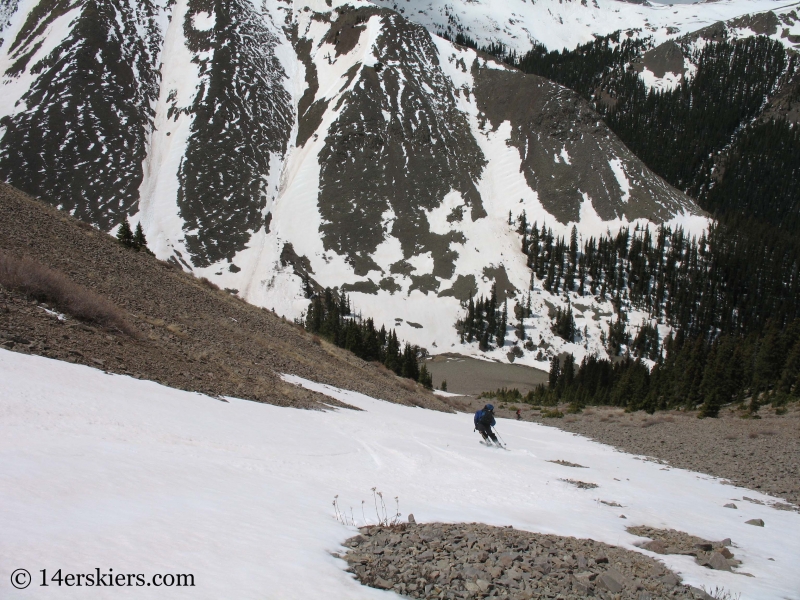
(46, 285)
(205, 282)
(553, 414)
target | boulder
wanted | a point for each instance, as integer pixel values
(718, 562)
(612, 581)
(656, 546)
(731, 505)
(670, 580)
(756, 522)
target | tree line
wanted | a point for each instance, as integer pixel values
(330, 316)
(737, 286)
(750, 371)
(721, 294)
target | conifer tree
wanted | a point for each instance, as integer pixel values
(555, 372)
(501, 326)
(124, 234)
(139, 241)
(425, 378)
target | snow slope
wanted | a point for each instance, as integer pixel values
(108, 472)
(566, 23)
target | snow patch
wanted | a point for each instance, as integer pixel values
(203, 21)
(622, 179)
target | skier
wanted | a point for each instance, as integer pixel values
(519, 415)
(484, 421)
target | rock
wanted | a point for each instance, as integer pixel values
(507, 559)
(581, 586)
(700, 594)
(542, 564)
(726, 542)
(601, 559)
(411, 519)
(670, 580)
(472, 587)
(483, 585)
(725, 552)
(656, 546)
(611, 580)
(718, 562)
(704, 547)
(756, 522)
(383, 584)
(730, 505)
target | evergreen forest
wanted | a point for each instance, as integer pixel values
(732, 297)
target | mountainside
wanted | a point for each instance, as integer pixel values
(181, 331)
(281, 149)
(557, 24)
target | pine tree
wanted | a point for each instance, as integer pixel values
(502, 325)
(124, 234)
(425, 378)
(139, 241)
(555, 372)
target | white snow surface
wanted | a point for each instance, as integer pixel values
(105, 471)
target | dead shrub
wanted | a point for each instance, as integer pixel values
(315, 340)
(752, 435)
(407, 384)
(39, 283)
(207, 283)
(458, 405)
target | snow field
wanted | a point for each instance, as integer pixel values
(105, 471)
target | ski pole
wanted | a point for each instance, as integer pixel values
(497, 433)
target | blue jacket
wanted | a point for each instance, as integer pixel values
(485, 418)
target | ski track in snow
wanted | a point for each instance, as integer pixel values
(105, 471)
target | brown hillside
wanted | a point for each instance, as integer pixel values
(185, 334)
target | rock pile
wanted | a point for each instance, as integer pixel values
(713, 555)
(451, 561)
